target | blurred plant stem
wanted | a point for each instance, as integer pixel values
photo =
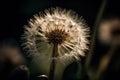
(94, 34)
(105, 61)
(53, 62)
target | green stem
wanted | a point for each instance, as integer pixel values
(52, 64)
(95, 30)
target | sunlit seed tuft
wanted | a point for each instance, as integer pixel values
(56, 26)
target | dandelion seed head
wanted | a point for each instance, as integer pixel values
(60, 26)
(56, 36)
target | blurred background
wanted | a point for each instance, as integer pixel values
(14, 14)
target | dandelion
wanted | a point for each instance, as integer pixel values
(59, 32)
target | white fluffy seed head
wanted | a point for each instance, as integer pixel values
(68, 21)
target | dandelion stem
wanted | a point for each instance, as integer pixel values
(52, 64)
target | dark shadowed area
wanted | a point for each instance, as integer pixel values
(14, 14)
